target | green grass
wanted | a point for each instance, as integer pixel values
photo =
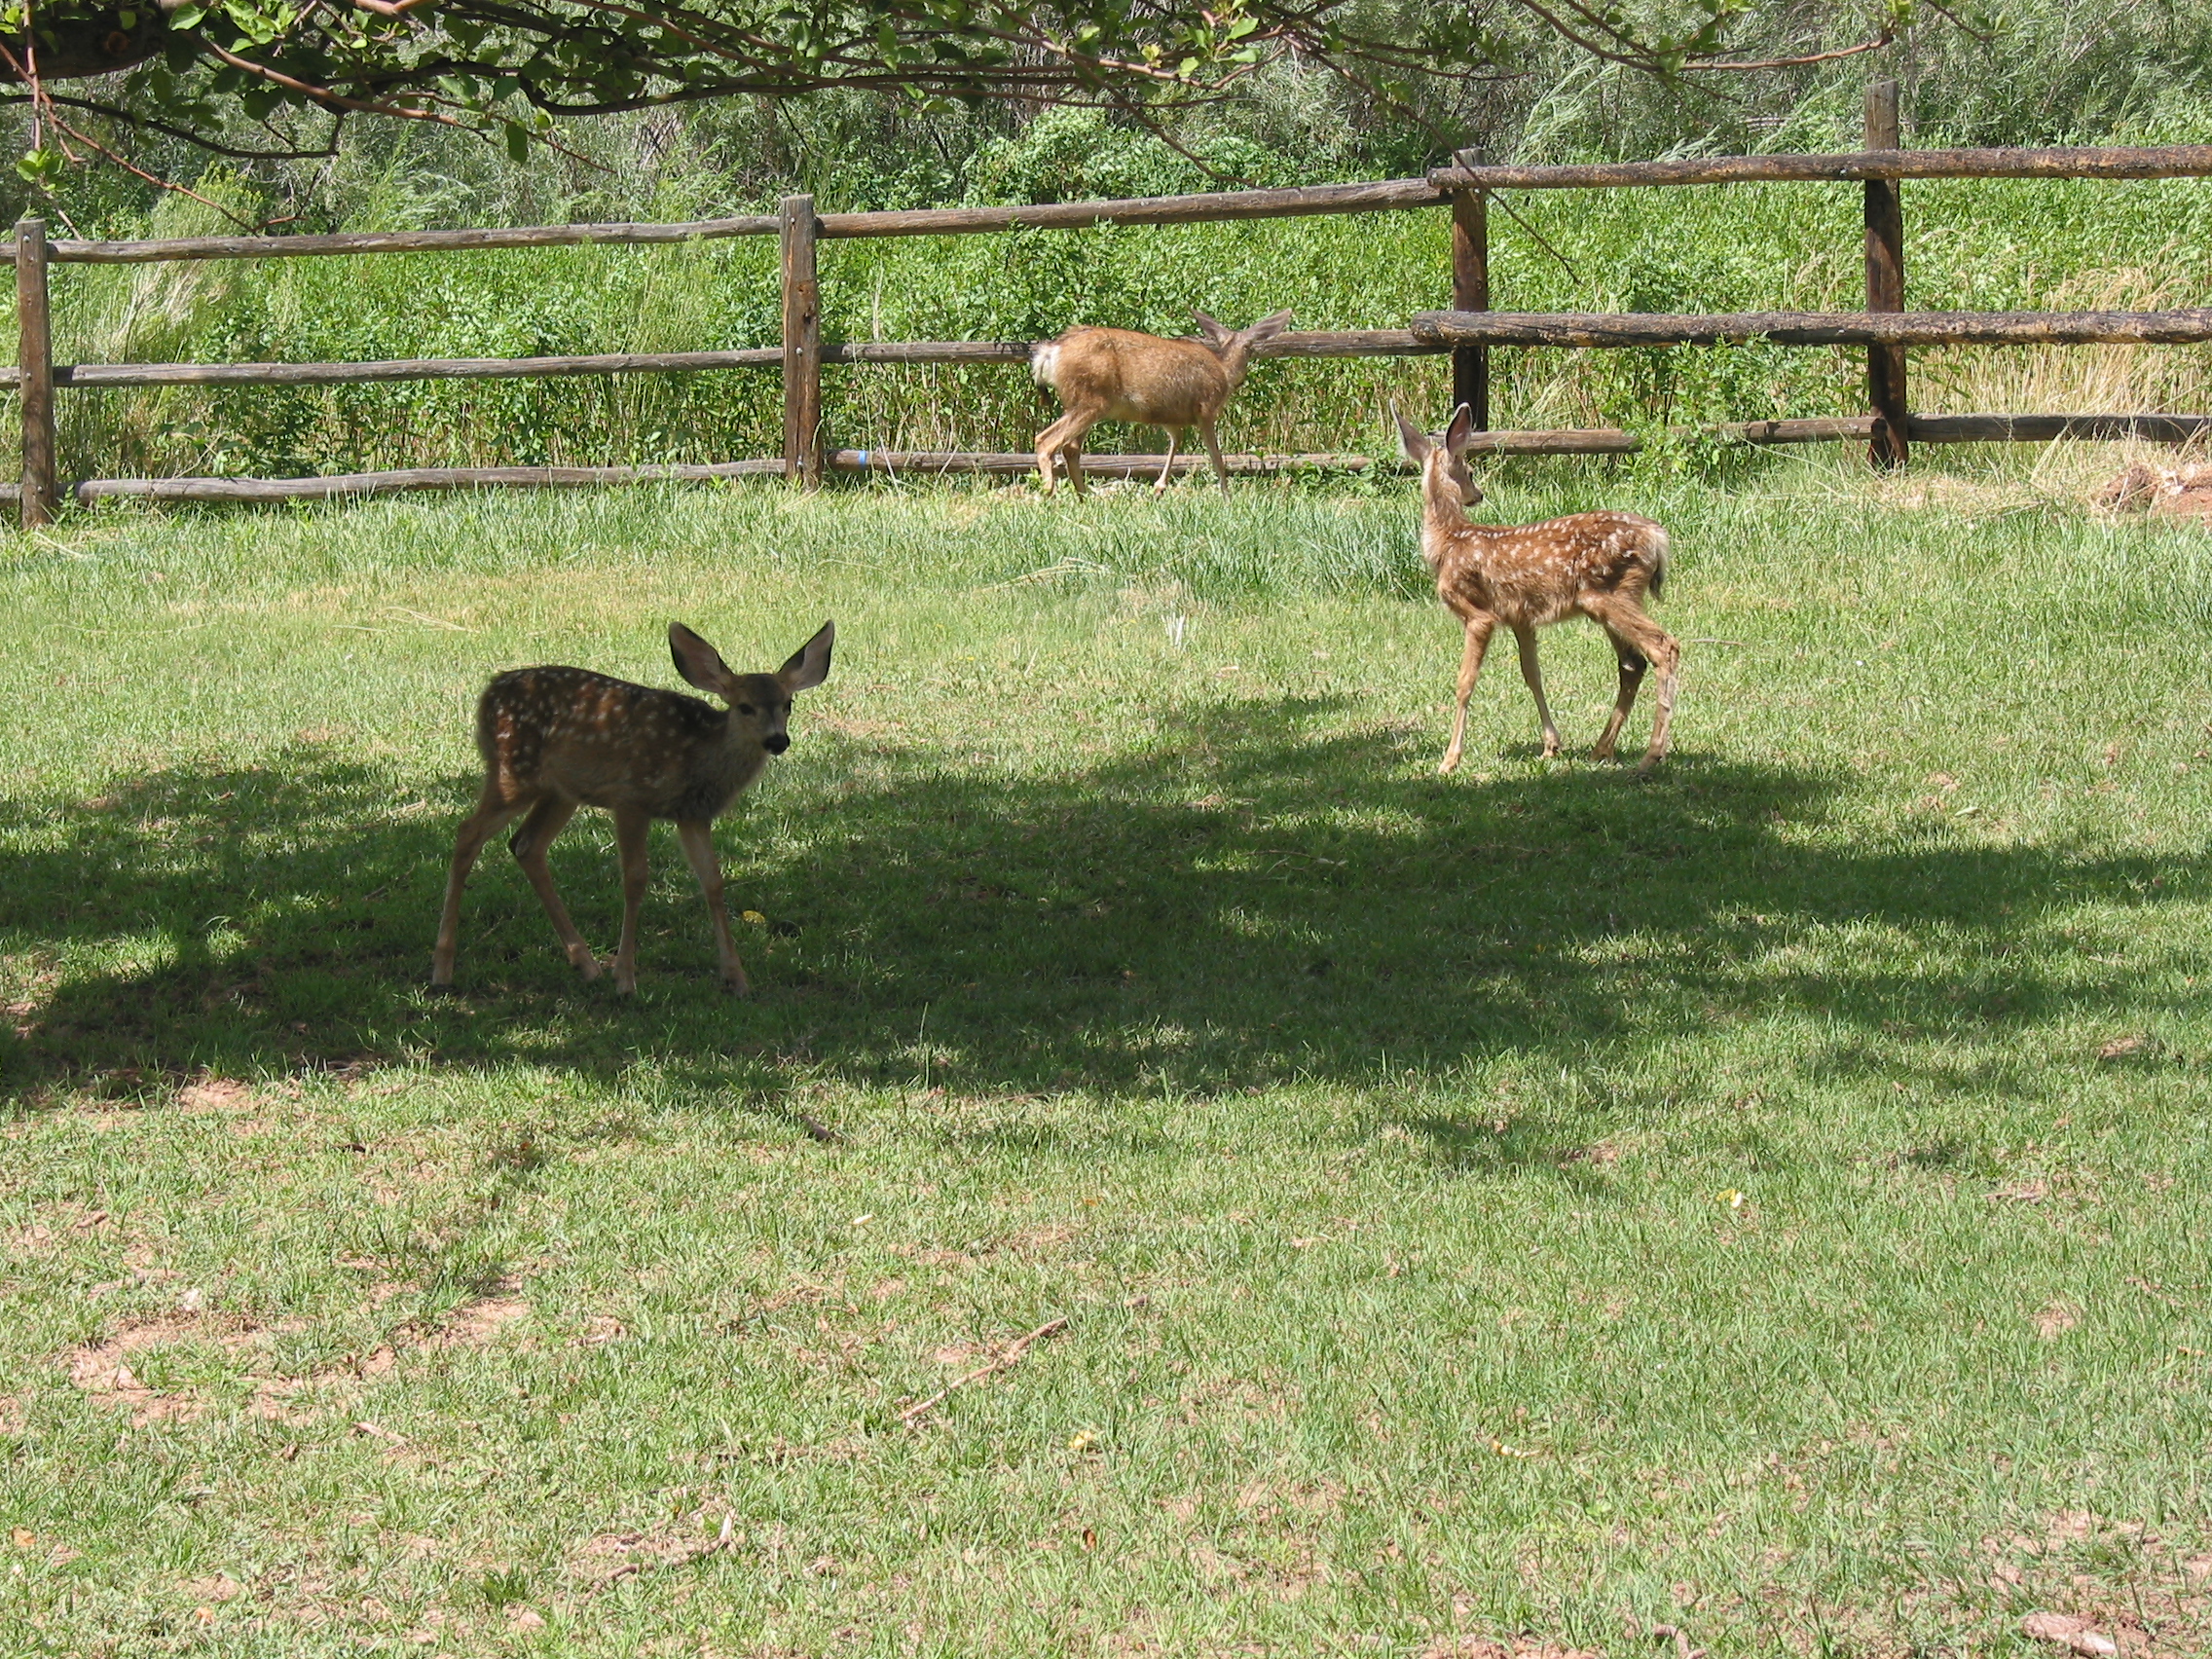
(1531, 1201)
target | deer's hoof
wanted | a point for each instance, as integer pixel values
(586, 964)
(1448, 765)
(737, 988)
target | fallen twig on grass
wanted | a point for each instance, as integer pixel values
(688, 1558)
(1004, 1361)
(816, 1129)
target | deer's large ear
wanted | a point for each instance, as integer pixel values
(1461, 432)
(1268, 327)
(1411, 439)
(1212, 328)
(809, 665)
(697, 661)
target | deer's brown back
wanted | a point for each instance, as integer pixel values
(1140, 376)
(604, 742)
(1535, 574)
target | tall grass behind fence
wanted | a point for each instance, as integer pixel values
(1978, 244)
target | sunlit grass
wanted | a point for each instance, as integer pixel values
(1767, 1200)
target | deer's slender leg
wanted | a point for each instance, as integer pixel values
(630, 828)
(1169, 466)
(1478, 626)
(1532, 672)
(1631, 666)
(699, 847)
(1625, 618)
(546, 820)
(493, 809)
(1048, 446)
(1064, 438)
(1213, 448)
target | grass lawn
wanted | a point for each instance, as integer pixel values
(1768, 1201)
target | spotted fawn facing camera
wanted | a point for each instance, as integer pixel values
(1528, 577)
(554, 739)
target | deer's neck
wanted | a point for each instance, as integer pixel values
(1443, 519)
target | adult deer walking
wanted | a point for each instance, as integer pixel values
(554, 739)
(1115, 374)
(1528, 576)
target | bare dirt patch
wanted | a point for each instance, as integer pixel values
(103, 1371)
(2170, 492)
(108, 1370)
(214, 1094)
(609, 1556)
(2102, 1587)
(2057, 1319)
(478, 1322)
(1599, 1155)
(56, 1226)
(218, 1588)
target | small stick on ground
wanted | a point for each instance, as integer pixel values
(816, 1129)
(690, 1558)
(1005, 1361)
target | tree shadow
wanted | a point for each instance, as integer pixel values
(1259, 897)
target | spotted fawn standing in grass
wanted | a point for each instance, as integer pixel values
(554, 739)
(1115, 374)
(1528, 576)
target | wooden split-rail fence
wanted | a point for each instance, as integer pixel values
(1468, 332)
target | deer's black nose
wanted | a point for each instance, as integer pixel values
(776, 744)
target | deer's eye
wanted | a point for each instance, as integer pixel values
(745, 708)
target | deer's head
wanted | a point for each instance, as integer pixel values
(759, 703)
(1233, 345)
(1443, 458)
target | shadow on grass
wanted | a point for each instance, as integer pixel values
(1251, 900)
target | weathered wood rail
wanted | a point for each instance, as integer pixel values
(1469, 332)
(1816, 328)
(1352, 343)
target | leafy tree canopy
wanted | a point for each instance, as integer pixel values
(512, 69)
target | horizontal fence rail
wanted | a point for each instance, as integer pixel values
(2107, 162)
(1816, 328)
(1223, 206)
(177, 248)
(1350, 342)
(1588, 441)
(1469, 332)
(2163, 161)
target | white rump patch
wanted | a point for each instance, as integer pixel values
(1045, 361)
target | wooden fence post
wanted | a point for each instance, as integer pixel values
(35, 358)
(1470, 291)
(802, 344)
(1885, 284)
